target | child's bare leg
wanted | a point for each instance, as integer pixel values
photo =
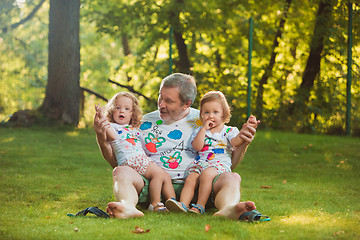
(155, 184)
(191, 183)
(167, 189)
(205, 185)
(160, 181)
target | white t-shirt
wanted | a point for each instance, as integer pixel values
(168, 145)
(127, 144)
(217, 146)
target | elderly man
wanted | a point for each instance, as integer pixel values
(166, 139)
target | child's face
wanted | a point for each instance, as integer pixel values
(213, 112)
(122, 112)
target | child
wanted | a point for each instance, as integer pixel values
(124, 115)
(214, 142)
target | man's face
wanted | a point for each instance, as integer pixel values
(170, 106)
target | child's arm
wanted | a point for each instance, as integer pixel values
(198, 142)
(237, 141)
(110, 132)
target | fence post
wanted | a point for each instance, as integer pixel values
(249, 67)
(348, 83)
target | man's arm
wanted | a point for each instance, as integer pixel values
(247, 134)
(238, 155)
(100, 126)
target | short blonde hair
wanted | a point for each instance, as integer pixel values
(217, 96)
(136, 117)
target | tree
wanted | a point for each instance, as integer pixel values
(62, 99)
(27, 18)
(312, 69)
(268, 70)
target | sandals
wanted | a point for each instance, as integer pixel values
(94, 210)
(253, 216)
(197, 208)
(175, 206)
(158, 208)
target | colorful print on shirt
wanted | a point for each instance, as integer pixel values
(168, 145)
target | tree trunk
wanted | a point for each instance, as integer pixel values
(183, 64)
(312, 69)
(268, 71)
(62, 99)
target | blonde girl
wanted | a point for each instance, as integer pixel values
(214, 142)
(124, 115)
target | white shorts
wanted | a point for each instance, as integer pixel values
(139, 163)
(200, 166)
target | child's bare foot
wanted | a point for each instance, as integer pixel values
(234, 212)
(122, 210)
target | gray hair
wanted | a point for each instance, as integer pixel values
(185, 83)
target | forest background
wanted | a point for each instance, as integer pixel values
(299, 57)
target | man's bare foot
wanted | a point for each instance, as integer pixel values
(234, 212)
(122, 210)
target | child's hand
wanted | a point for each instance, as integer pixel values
(208, 124)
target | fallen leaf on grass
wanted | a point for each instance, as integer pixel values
(284, 181)
(338, 233)
(76, 229)
(265, 187)
(207, 227)
(140, 230)
(308, 146)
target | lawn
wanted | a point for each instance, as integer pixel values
(308, 184)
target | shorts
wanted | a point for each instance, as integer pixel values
(139, 163)
(200, 166)
(144, 197)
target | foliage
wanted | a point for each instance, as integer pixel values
(216, 35)
(23, 58)
(313, 189)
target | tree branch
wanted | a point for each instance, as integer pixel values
(131, 89)
(31, 15)
(94, 93)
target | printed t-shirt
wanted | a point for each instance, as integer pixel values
(168, 145)
(127, 144)
(217, 146)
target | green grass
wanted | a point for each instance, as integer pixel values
(314, 190)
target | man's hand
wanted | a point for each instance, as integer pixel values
(101, 123)
(248, 130)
